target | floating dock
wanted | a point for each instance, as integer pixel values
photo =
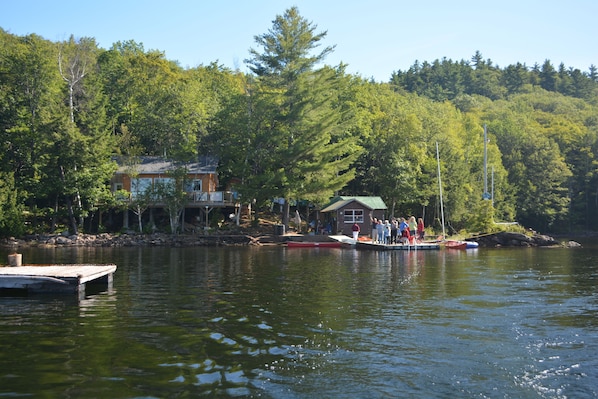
(424, 246)
(65, 279)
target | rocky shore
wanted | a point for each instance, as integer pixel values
(501, 239)
(512, 239)
(136, 240)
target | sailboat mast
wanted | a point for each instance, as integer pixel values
(486, 195)
(440, 190)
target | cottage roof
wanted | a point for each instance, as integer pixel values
(341, 201)
(159, 165)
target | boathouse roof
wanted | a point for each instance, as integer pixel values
(341, 201)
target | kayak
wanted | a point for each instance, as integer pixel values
(458, 244)
(307, 244)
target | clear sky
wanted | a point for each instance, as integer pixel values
(374, 37)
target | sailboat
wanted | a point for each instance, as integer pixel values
(450, 244)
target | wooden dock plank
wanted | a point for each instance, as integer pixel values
(59, 270)
(54, 277)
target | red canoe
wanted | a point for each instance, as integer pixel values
(455, 244)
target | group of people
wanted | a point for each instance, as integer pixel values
(397, 230)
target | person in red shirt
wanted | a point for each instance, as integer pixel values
(420, 229)
(356, 230)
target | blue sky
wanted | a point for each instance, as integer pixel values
(374, 38)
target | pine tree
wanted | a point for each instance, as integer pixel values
(308, 156)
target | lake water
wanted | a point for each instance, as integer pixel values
(272, 322)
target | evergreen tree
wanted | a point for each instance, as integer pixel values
(548, 77)
(11, 211)
(309, 156)
(514, 78)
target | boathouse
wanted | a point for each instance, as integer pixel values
(342, 212)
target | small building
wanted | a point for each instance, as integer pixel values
(342, 212)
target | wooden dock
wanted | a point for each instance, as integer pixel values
(368, 244)
(424, 246)
(71, 279)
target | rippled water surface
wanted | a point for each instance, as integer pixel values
(273, 322)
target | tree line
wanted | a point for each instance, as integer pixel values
(296, 128)
(448, 80)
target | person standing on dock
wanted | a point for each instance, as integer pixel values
(356, 230)
(380, 231)
(374, 228)
(394, 228)
(421, 230)
(386, 232)
(412, 226)
(403, 231)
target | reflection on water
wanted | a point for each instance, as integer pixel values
(300, 323)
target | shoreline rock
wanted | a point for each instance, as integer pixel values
(135, 240)
(513, 239)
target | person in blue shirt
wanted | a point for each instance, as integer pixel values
(403, 231)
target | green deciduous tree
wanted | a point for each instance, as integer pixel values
(172, 194)
(536, 168)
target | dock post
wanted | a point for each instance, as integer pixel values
(15, 260)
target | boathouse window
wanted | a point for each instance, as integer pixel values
(353, 216)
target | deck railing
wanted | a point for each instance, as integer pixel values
(228, 197)
(196, 198)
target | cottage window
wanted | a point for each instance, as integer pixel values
(353, 216)
(140, 186)
(164, 181)
(197, 185)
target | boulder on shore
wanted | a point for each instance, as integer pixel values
(513, 239)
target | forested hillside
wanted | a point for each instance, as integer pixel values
(297, 128)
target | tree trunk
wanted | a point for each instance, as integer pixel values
(53, 223)
(69, 205)
(285, 214)
(139, 219)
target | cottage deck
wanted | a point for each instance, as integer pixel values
(55, 278)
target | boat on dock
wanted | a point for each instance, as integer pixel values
(62, 279)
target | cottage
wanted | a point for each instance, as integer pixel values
(343, 212)
(135, 176)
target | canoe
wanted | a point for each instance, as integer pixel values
(317, 244)
(458, 244)
(452, 244)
